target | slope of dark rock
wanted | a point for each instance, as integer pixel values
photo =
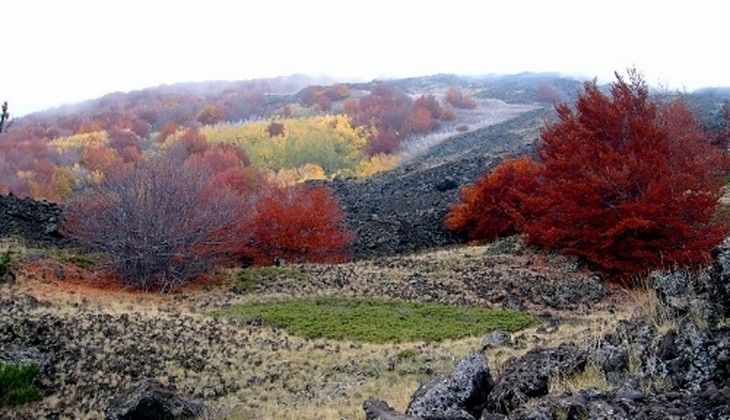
(35, 221)
(403, 210)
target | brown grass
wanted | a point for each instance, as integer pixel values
(268, 373)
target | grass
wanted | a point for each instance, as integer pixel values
(5, 262)
(591, 377)
(246, 279)
(16, 384)
(378, 321)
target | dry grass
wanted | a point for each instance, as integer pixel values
(249, 371)
(589, 378)
(644, 299)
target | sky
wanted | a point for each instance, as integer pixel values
(55, 52)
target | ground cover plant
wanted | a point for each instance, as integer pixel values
(16, 384)
(378, 321)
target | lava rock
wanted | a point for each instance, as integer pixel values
(496, 339)
(460, 394)
(149, 399)
(380, 410)
(36, 221)
(527, 377)
(403, 210)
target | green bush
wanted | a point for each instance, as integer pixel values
(246, 279)
(377, 320)
(16, 384)
(5, 262)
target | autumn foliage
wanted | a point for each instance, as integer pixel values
(458, 99)
(297, 224)
(625, 181)
(159, 224)
(494, 205)
(166, 220)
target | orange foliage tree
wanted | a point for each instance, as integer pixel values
(458, 99)
(425, 114)
(299, 223)
(494, 205)
(627, 182)
(211, 114)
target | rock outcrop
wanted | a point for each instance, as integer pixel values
(460, 394)
(148, 400)
(671, 361)
(35, 221)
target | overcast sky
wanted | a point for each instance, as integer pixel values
(56, 52)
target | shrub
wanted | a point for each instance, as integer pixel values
(161, 224)
(495, 204)
(625, 181)
(16, 384)
(378, 320)
(458, 99)
(5, 262)
(298, 223)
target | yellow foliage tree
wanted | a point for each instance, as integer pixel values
(327, 142)
(80, 141)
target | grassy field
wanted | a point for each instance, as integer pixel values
(378, 321)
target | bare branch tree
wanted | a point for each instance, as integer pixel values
(4, 117)
(161, 224)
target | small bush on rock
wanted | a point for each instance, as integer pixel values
(5, 262)
(16, 384)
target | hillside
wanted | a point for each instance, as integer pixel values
(416, 325)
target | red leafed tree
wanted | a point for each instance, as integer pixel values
(159, 222)
(458, 99)
(425, 114)
(422, 121)
(494, 205)
(388, 110)
(299, 223)
(211, 114)
(627, 182)
(168, 129)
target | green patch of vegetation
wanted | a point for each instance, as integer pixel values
(5, 262)
(84, 260)
(246, 279)
(377, 320)
(406, 354)
(16, 384)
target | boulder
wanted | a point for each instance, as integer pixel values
(460, 394)
(496, 339)
(380, 410)
(148, 399)
(528, 376)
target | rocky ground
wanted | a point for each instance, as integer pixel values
(94, 343)
(403, 210)
(670, 360)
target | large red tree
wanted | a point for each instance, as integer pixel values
(626, 181)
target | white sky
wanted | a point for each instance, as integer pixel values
(55, 51)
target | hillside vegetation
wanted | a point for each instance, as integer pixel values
(284, 249)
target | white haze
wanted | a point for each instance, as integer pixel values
(56, 52)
